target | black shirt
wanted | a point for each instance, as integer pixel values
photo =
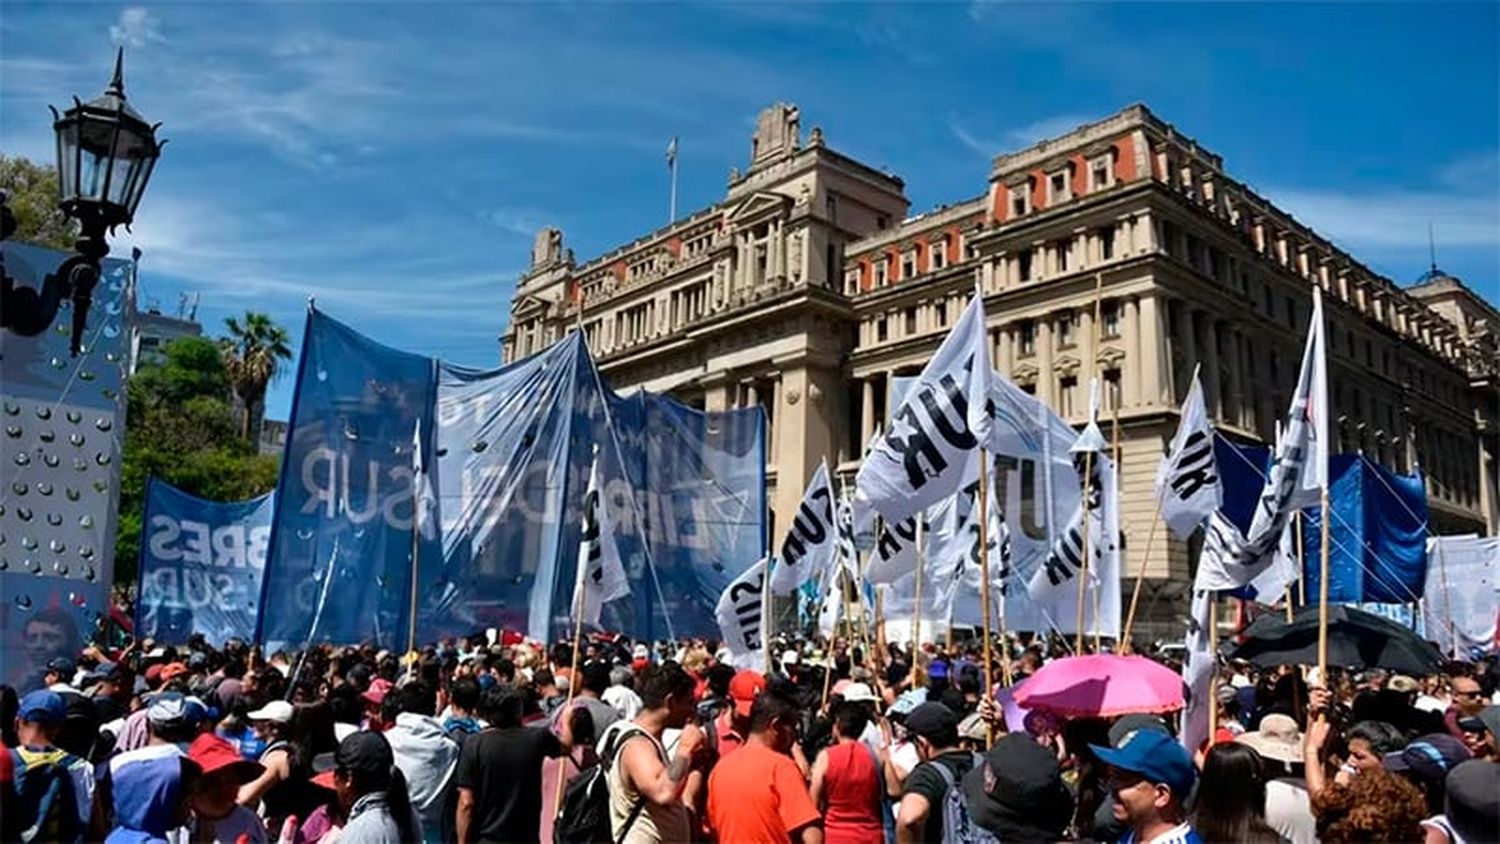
(504, 770)
(927, 781)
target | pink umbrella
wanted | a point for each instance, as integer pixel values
(1102, 685)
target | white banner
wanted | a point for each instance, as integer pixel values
(1187, 482)
(811, 540)
(601, 575)
(1197, 672)
(739, 613)
(1463, 573)
(919, 460)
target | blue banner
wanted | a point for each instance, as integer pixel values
(498, 479)
(63, 419)
(1377, 524)
(201, 566)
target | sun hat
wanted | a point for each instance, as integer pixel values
(1017, 791)
(1155, 756)
(859, 693)
(276, 711)
(1403, 684)
(973, 728)
(744, 687)
(1277, 739)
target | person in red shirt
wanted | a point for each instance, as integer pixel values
(757, 793)
(847, 782)
(734, 723)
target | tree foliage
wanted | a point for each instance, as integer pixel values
(181, 428)
(253, 353)
(31, 193)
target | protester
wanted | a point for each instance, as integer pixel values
(283, 789)
(1016, 793)
(620, 693)
(1471, 810)
(1231, 797)
(758, 793)
(53, 789)
(1376, 806)
(152, 794)
(217, 816)
(1286, 753)
(847, 781)
(459, 720)
(373, 792)
(934, 729)
(425, 754)
(499, 772)
(646, 783)
(1150, 776)
(1468, 701)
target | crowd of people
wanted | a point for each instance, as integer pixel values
(495, 738)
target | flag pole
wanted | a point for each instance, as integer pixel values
(672, 165)
(765, 613)
(1213, 675)
(916, 632)
(1083, 572)
(573, 680)
(1301, 561)
(411, 625)
(984, 582)
(1323, 592)
(1140, 575)
(1115, 456)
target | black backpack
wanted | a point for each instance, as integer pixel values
(583, 815)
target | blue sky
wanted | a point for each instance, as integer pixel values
(394, 160)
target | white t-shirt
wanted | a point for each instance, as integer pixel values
(1289, 810)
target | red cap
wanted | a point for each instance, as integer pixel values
(379, 688)
(171, 670)
(153, 674)
(743, 688)
(324, 780)
(213, 753)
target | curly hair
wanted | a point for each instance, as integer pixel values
(1374, 806)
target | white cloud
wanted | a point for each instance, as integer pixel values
(983, 146)
(136, 27)
(1395, 219)
(1018, 138)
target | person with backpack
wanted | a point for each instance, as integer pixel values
(54, 789)
(645, 783)
(1015, 794)
(934, 731)
(499, 775)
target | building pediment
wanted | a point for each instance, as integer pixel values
(1066, 364)
(526, 306)
(759, 206)
(1024, 373)
(1111, 355)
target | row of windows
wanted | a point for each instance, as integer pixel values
(1058, 184)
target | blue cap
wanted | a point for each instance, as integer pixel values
(43, 707)
(938, 670)
(1155, 756)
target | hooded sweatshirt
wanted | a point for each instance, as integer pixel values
(146, 786)
(427, 758)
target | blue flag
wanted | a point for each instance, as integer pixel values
(201, 566)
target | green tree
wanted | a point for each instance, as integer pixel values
(31, 193)
(253, 353)
(181, 428)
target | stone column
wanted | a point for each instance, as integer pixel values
(1130, 373)
(1212, 383)
(867, 411)
(774, 418)
(1153, 364)
(1088, 346)
(1046, 380)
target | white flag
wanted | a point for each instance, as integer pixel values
(601, 576)
(920, 458)
(1299, 472)
(1187, 481)
(811, 540)
(1065, 559)
(672, 152)
(739, 613)
(1197, 673)
(425, 503)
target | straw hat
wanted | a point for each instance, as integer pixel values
(1278, 738)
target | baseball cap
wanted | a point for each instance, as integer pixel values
(931, 719)
(1472, 801)
(365, 753)
(173, 670)
(278, 711)
(640, 652)
(1428, 758)
(743, 689)
(213, 753)
(64, 666)
(790, 658)
(1156, 757)
(43, 707)
(1017, 791)
(938, 670)
(172, 710)
(1128, 725)
(379, 688)
(1488, 720)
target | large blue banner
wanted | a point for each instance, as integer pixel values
(201, 566)
(63, 418)
(1377, 524)
(504, 458)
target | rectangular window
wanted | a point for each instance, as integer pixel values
(1110, 317)
(940, 310)
(1065, 325)
(909, 264)
(937, 254)
(880, 265)
(1066, 387)
(882, 330)
(1111, 397)
(1020, 199)
(911, 321)
(1107, 243)
(1026, 334)
(1100, 172)
(1059, 187)
(833, 208)
(1062, 255)
(1023, 265)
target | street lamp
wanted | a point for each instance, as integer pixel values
(105, 154)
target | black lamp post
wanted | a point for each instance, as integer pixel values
(105, 154)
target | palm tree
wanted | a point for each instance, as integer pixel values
(253, 353)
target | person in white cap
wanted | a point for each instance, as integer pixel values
(286, 765)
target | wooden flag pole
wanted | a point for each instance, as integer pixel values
(1289, 609)
(1213, 676)
(1301, 560)
(1140, 577)
(984, 582)
(1323, 592)
(1083, 572)
(573, 680)
(916, 618)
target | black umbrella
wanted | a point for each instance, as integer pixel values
(1356, 640)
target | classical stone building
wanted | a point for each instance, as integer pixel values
(1121, 250)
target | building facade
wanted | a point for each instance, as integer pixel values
(1121, 251)
(151, 330)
